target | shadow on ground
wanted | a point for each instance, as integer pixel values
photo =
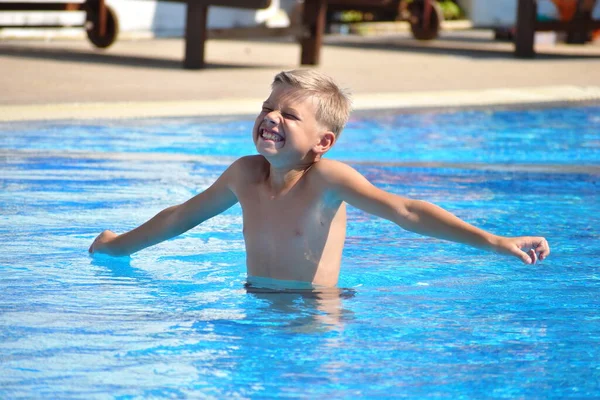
(464, 46)
(101, 57)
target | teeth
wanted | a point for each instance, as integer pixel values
(271, 136)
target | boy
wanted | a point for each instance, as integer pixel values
(293, 200)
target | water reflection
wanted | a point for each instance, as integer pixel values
(306, 309)
(315, 309)
(119, 268)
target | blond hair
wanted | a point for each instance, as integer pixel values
(334, 104)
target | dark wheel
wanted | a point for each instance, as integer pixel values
(504, 34)
(420, 29)
(93, 28)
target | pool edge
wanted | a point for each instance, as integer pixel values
(400, 101)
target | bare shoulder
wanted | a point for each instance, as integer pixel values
(334, 172)
(341, 180)
(248, 168)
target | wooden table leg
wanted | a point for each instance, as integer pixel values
(102, 18)
(313, 18)
(525, 29)
(195, 35)
(579, 34)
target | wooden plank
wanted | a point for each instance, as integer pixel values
(251, 4)
(362, 3)
(101, 18)
(41, 6)
(256, 32)
(196, 30)
(313, 18)
(195, 35)
(579, 34)
(567, 26)
(525, 29)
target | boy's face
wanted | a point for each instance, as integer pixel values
(286, 131)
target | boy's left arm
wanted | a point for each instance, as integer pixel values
(426, 218)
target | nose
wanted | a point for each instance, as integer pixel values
(271, 118)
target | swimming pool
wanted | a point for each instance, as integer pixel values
(426, 318)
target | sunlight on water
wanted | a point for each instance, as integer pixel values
(422, 318)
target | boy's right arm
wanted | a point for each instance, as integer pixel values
(171, 221)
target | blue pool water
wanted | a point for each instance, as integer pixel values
(427, 318)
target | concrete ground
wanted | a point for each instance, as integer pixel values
(71, 79)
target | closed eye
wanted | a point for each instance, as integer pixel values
(290, 116)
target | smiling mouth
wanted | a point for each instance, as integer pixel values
(270, 135)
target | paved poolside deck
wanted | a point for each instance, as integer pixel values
(136, 78)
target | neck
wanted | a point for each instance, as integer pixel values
(282, 179)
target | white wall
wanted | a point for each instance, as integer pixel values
(139, 16)
(167, 18)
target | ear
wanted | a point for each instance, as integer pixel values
(325, 143)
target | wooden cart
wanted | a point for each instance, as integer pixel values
(578, 27)
(102, 25)
(424, 16)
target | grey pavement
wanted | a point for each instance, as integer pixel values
(35, 73)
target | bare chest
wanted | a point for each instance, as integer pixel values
(294, 215)
(295, 236)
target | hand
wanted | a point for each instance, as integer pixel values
(101, 242)
(528, 248)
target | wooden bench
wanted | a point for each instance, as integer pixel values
(424, 21)
(102, 24)
(314, 16)
(527, 24)
(196, 22)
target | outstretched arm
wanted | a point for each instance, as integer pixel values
(171, 221)
(428, 219)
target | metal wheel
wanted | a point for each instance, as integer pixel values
(93, 28)
(422, 29)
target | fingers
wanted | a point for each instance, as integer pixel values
(532, 249)
(533, 256)
(542, 248)
(527, 257)
(94, 245)
(99, 245)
